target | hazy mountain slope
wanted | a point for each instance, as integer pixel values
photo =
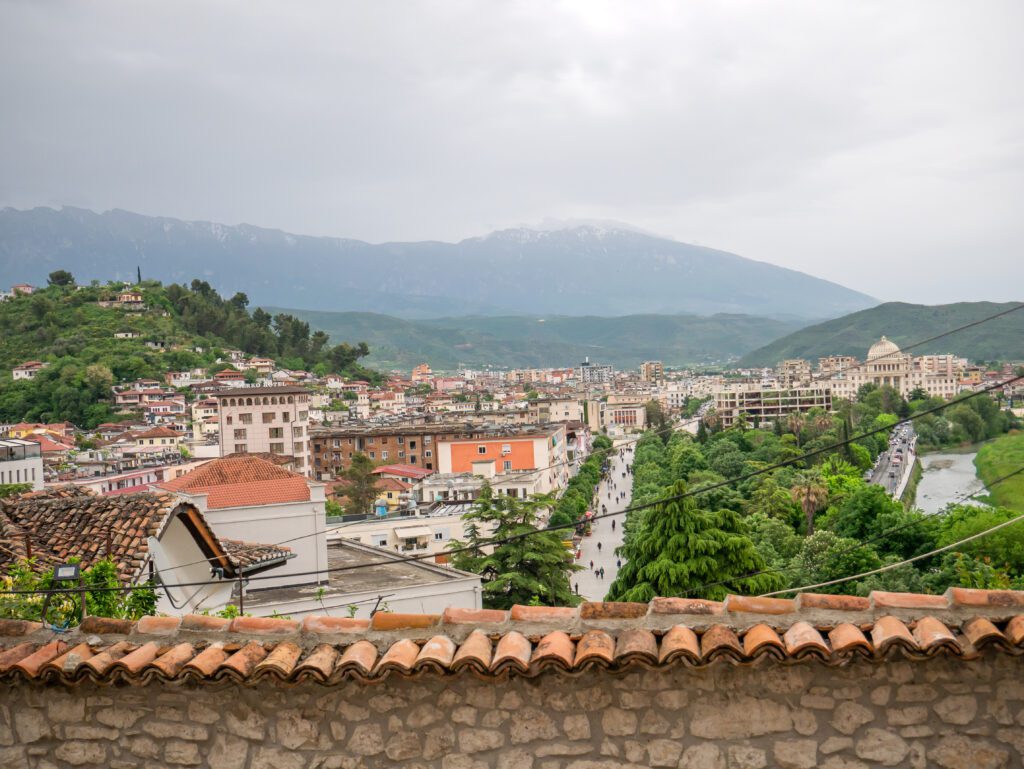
(576, 271)
(555, 341)
(1000, 339)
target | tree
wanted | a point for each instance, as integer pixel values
(656, 417)
(360, 484)
(677, 547)
(533, 568)
(810, 492)
(61, 278)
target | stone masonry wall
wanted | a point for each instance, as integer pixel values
(942, 712)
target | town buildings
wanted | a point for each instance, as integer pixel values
(28, 370)
(886, 365)
(592, 373)
(272, 419)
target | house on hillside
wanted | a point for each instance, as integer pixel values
(149, 536)
(28, 370)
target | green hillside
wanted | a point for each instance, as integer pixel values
(1000, 339)
(521, 341)
(179, 328)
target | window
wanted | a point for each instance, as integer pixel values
(285, 416)
(239, 448)
(303, 416)
(277, 448)
(429, 466)
(296, 432)
(373, 455)
(506, 448)
(428, 438)
(428, 453)
(240, 435)
(481, 449)
(228, 420)
(276, 432)
(370, 441)
(383, 455)
(382, 541)
(268, 417)
(412, 458)
(337, 443)
(507, 464)
(438, 535)
(245, 419)
(401, 455)
(412, 444)
(401, 440)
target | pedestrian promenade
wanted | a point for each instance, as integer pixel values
(592, 587)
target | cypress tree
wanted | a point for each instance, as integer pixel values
(679, 546)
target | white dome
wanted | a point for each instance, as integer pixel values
(883, 348)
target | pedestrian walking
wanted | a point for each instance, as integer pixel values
(602, 572)
(599, 547)
(591, 563)
(577, 588)
(618, 564)
(613, 525)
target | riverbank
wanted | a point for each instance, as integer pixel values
(945, 477)
(998, 458)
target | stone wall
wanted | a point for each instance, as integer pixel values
(943, 712)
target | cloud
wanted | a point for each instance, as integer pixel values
(875, 144)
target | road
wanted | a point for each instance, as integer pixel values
(902, 440)
(592, 587)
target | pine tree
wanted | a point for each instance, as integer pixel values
(679, 547)
(361, 485)
(533, 569)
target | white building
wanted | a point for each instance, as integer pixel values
(886, 365)
(28, 370)
(247, 498)
(274, 420)
(591, 373)
(21, 462)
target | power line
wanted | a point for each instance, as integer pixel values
(644, 506)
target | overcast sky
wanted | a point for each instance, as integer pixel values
(879, 145)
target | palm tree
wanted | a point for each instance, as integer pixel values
(811, 493)
(795, 424)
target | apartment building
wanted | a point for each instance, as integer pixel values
(652, 371)
(535, 451)
(760, 404)
(274, 420)
(592, 373)
(407, 444)
(795, 371)
(21, 461)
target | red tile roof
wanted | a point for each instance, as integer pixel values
(526, 641)
(392, 484)
(407, 471)
(158, 432)
(242, 481)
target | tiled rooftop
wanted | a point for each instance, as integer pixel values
(528, 640)
(242, 480)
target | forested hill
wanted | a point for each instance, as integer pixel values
(1001, 339)
(520, 341)
(181, 327)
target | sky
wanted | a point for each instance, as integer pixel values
(876, 144)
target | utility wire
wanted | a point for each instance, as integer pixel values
(646, 505)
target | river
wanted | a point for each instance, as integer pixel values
(947, 477)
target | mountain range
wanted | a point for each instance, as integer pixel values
(575, 271)
(553, 341)
(999, 339)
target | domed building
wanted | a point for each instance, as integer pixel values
(887, 365)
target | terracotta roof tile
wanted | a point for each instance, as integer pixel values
(492, 643)
(755, 605)
(686, 606)
(882, 600)
(760, 638)
(555, 647)
(596, 646)
(803, 639)
(475, 653)
(832, 602)
(242, 480)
